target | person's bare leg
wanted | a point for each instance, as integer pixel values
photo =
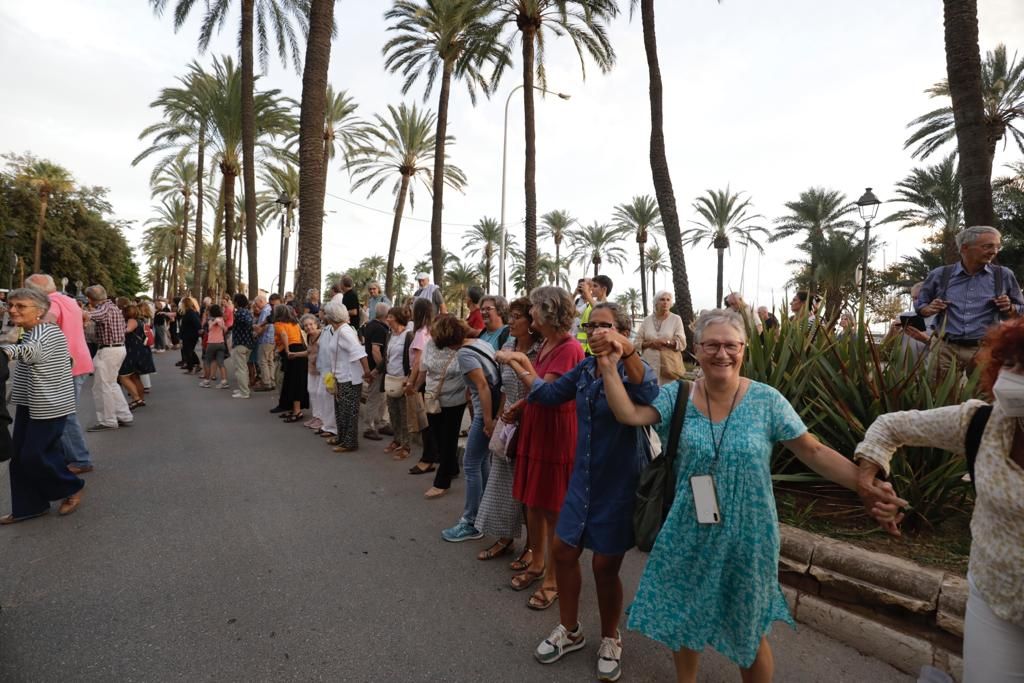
(763, 668)
(550, 576)
(535, 526)
(567, 569)
(126, 382)
(609, 592)
(686, 662)
(140, 390)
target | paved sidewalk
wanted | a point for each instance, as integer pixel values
(216, 543)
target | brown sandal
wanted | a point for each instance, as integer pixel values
(543, 598)
(497, 550)
(524, 580)
(401, 453)
(521, 564)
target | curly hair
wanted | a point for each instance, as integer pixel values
(448, 331)
(555, 307)
(1003, 347)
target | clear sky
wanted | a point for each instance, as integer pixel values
(768, 97)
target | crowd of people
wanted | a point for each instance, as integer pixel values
(562, 405)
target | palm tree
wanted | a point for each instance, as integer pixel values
(817, 211)
(556, 224)
(343, 130)
(533, 21)
(458, 278)
(284, 183)
(186, 114)
(162, 239)
(629, 300)
(655, 261)
(277, 16)
(177, 179)
(832, 264)
(1002, 99)
(549, 271)
(484, 239)
(402, 147)
(400, 281)
(934, 192)
(659, 165)
(47, 179)
(638, 217)
(453, 39)
(596, 243)
(725, 214)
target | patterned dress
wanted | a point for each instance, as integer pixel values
(500, 513)
(717, 584)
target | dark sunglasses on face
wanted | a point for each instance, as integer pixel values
(590, 327)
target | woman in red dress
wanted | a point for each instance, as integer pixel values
(547, 441)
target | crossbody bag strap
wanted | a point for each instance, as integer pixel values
(972, 440)
(497, 370)
(678, 417)
(444, 374)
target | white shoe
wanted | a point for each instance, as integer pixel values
(560, 642)
(222, 385)
(609, 654)
(235, 394)
(205, 384)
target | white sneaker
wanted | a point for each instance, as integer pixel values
(560, 642)
(608, 656)
(222, 385)
(235, 394)
(205, 384)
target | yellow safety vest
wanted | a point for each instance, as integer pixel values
(581, 334)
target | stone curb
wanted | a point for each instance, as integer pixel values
(889, 608)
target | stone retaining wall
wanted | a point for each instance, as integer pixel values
(886, 607)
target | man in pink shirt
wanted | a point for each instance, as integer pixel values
(67, 315)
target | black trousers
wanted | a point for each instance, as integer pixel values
(188, 352)
(444, 433)
(38, 474)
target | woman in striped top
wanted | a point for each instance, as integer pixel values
(44, 395)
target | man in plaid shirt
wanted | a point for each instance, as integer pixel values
(111, 407)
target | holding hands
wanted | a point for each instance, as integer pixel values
(880, 499)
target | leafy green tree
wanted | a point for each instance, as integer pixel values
(46, 179)
(451, 39)
(272, 20)
(177, 179)
(817, 212)
(725, 215)
(484, 239)
(400, 147)
(162, 243)
(629, 300)
(832, 264)
(639, 216)
(535, 22)
(936, 203)
(597, 243)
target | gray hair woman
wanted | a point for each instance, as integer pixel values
(495, 311)
(375, 297)
(43, 392)
(349, 369)
(662, 340)
(712, 576)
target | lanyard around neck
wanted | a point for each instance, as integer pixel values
(717, 445)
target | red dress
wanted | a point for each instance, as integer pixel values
(547, 436)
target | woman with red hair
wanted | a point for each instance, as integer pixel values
(994, 621)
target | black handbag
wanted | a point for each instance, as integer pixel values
(657, 487)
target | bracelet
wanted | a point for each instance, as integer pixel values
(631, 353)
(524, 374)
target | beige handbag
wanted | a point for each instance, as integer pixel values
(671, 365)
(394, 386)
(415, 413)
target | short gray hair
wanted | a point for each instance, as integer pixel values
(381, 311)
(308, 316)
(96, 293)
(623, 323)
(664, 291)
(41, 281)
(36, 296)
(970, 235)
(554, 307)
(335, 312)
(719, 316)
(500, 305)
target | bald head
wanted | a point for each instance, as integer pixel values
(41, 281)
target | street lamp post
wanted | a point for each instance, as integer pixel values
(10, 236)
(285, 201)
(867, 205)
(504, 166)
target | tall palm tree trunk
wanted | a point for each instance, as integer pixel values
(197, 258)
(312, 160)
(963, 69)
(530, 173)
(249, 145)
(389, 276)
(719, 288)
(643, 281)
(229, 232)
(436, 258)
(183, 244)
(659, 169)
(37, 253)
(654, 287)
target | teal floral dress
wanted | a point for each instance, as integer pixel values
(717, 584)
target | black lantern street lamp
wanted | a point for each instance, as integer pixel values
(868, 206)
(285, 201)
(9, 237)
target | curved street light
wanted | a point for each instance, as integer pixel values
(867, 205)
(504, 166)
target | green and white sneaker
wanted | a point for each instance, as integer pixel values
(560, 642)
(608, 656)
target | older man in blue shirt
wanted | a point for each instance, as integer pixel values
(969, 297)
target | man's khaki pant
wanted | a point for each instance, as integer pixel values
(268, 365)
(240, 362)
(373, 412)
(946, 354)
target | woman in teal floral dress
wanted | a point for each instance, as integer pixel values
(717, 583)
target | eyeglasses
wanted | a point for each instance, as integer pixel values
(712, 348)
(590, 327)
(21, 307)
(488, 308)
(988, 247)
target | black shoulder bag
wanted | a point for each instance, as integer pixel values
(657, 487)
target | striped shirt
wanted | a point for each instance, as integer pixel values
(110, 325)
(42, 378)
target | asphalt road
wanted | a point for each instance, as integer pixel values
(216, 543)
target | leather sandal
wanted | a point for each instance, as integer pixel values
(521, 564)
(497, 550)
(543, 598)
(524, 580)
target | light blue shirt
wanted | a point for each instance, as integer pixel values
(970, 307)
(268, 334)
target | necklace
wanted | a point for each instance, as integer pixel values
(658, 323)
(717, 444)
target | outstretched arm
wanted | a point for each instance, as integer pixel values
(626, 412)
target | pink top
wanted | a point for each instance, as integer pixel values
(68, 316)
(215, 331)
(419, 343)
(229, 316)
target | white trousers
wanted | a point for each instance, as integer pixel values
(322, 404)
(993, 647)
(111, 407)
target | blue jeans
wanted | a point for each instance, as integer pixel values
(73, 440)
(476, 465)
